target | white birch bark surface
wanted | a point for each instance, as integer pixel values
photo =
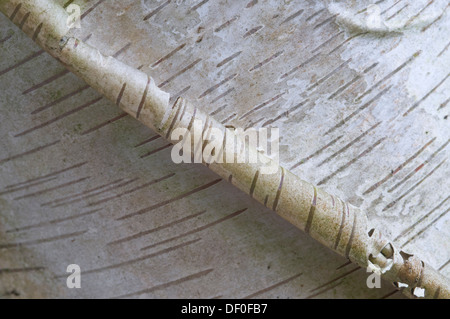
(362, 112)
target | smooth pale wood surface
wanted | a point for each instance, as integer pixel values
(85, 164)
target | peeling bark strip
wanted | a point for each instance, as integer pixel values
(343, 228)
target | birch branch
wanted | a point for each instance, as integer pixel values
(336, 224)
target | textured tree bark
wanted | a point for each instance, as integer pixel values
(336, 224)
